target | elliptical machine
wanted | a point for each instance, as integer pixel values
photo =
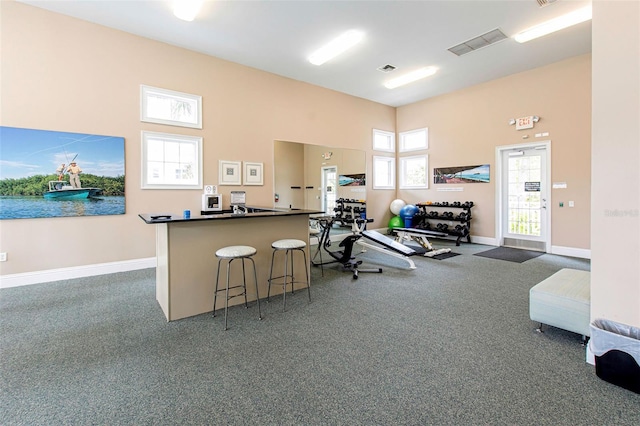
(345, 256)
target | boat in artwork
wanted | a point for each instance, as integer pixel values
(61, 190)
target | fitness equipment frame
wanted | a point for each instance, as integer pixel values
(420, 236)
(345, 256)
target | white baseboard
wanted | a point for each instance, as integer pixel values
(488, 241)
(571, 251)
(37, 277)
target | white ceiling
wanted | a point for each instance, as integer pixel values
(277, 36)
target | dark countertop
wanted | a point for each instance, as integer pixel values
(153, 218)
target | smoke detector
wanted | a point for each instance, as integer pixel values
(543, 3)
(386, 68)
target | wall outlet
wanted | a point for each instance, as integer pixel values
(3, 257)
(571, 204)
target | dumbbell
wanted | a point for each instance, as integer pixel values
(442, 227)
(462, 229)
(456, 203)
(433, 213)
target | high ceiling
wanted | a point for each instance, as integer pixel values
(278, 36)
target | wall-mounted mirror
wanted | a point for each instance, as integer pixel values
(314, 177)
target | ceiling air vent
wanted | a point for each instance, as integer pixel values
(479, 42)
(543, 3)
(386, 68)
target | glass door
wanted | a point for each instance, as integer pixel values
(524, 198)
(329, 189)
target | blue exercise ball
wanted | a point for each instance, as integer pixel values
(407, 213)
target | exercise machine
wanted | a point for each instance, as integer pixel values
(420, 236)
(344, 256)
(389, 247)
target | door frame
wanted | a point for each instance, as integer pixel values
(499, 188)
(323, 193)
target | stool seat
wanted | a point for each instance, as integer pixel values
(235, 252)
(288, 244)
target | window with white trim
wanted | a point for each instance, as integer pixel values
(384, 141)
(414, 140)
(169, 107)
(414, 171)
(384, 172)
(171, 161)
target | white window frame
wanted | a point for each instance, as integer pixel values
(390, 166)
(195, 141)
(150, 116)
(404, 136)
(390, 141)
(402, 175)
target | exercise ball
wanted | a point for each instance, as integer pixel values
(407, 213)
(396, 222)
(396, 206)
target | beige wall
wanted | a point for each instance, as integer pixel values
(346, 161)
(465, 127)
(300, 165)
(615, 230)
(60, 73)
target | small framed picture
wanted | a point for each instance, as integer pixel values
(253, 173)
(229, 173)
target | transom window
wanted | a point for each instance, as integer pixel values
(414, 140)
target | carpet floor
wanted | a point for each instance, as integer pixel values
(449, 343)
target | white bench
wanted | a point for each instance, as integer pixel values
(563, 300)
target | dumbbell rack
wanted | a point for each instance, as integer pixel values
(346, 210)
(440, 216)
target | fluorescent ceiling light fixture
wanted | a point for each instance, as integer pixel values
(410, 77)
(555, 24)
(186, 9)
(336, 47)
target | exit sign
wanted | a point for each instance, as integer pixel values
(524, 123)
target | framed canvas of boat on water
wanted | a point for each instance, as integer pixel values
(47, 173)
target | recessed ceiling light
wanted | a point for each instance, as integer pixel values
(336, 47)
(410, 77)
(556, 24)
(186, 9)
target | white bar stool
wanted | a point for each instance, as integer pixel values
(232, 253)
(289, 246)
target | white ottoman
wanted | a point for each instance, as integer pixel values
(563, 300)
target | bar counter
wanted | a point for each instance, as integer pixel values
(186, 262)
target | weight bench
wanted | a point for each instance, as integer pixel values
(395, 249)
(420, 236)
(563, 300)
